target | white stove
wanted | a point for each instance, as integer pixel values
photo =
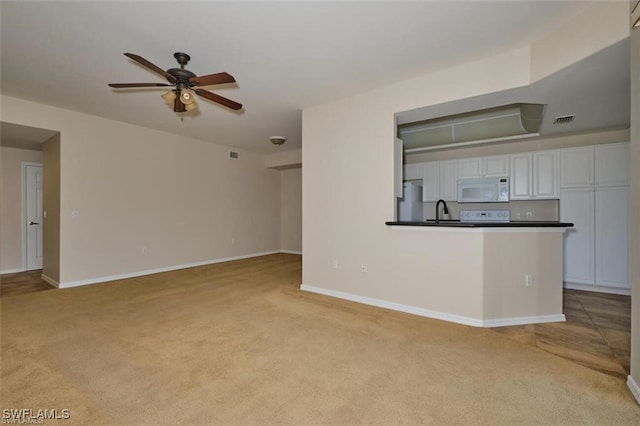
(501, 216)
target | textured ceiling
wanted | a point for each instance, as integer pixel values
(285, 56)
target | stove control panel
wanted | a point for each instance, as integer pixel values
(485, 215)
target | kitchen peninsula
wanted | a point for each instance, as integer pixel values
(491, 274)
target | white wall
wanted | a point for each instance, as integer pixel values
(11, 221)
(291, 210)
(348, 191)
(349, 174)
(181, 200)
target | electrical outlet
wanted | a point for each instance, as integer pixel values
(529, 215)
(233, 241)
(363, 268)
(334, 264)
(528, 280)
(144, 250)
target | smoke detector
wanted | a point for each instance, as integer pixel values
(278, 140)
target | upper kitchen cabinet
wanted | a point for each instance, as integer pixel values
(601, 165)
(612, 164)
(521, 177)
(483, 167)
(534, 175)
(430, 181)
(449, 180)
(576, 167)
(545, 174)
(440, 180)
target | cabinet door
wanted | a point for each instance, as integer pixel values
(430, 181)
(576, 167)
(413, 171)
(520, 179)
(495, 166)
(577, 206)
(449, 180)
(612, 237)
(545, 172)
(469, 168)
(612, 164)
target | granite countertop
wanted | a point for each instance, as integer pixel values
(458, 224)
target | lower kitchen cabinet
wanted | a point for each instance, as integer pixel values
(612, 237)
(578, 207)
(596, 249)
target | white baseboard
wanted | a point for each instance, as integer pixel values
(158, 270)
(598, 288)
(50, 281)
(634, 388)
(291, 252)
(503, 322)
(474, 322)
(11, 271)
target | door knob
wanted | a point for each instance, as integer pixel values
(33, 223)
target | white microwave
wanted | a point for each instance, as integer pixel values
(483, 190)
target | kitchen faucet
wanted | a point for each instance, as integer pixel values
(445, 210)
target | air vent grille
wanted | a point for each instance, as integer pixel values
(564, 119)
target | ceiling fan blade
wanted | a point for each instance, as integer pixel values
(152, 67)
(122, 85)
(219, 99)
(206, 80)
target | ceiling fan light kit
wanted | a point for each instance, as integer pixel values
(186, 84)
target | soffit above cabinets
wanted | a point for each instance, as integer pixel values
(471, 128)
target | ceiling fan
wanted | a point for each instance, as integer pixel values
(185, 83)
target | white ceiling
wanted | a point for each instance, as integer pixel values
(284, 55)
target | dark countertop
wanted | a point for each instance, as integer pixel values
(458, 224)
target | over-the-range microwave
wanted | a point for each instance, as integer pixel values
(483, 190)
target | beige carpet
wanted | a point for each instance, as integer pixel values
(239, 343)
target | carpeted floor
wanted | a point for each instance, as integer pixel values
(239, 343)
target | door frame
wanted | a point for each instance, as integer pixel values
(23, 179)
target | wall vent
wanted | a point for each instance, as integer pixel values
(564, 119)
(233, 154)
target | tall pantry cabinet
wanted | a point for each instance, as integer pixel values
(594, 195)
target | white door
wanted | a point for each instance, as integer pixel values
(33, 216)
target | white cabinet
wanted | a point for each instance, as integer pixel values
(449, 180)
(430, 181)
(545, 174)
(520, 179)
(577, 167)
(612, 164)
(612, 237)
(469, 168)
(534, 175)
(578, 207)
(412, 171)
(440, 180)
(495, 166)
(483, 167)
(595, 197)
